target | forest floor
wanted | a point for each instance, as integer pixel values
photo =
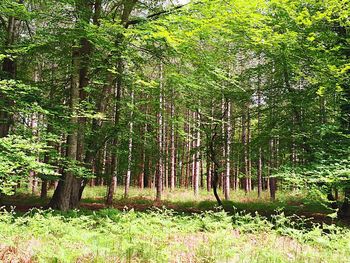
(182, 228)
(307, 205)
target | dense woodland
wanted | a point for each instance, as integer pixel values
(217, 95)
(174, 131)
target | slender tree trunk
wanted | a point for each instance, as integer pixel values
(197, 157)
(172, 141)
(183, 162)
(44, 182)
(159, 173)
(259, 132)
(228, 152)
(272, 180)
(144, 159)
(131, 127)
(209, 172)
(188, 154)
(245, 153)
(216, 165)
(249, 139)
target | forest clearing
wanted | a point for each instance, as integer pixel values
(174, 131)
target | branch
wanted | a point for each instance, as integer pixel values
(3, 22)
(155, 15)
(29, 30)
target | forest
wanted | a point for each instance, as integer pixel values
(174, 131)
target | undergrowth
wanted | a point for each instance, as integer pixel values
(162, 235)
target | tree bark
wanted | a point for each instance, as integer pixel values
(69, 190)
(259, 132)
(128, 173)
(159, 173)
(172, 141)
(197, 157)
(272, 180)
(228, 152)
(62, 196)
(9, 72)
(245, 153)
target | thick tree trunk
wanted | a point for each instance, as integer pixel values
(62, 196)
(43, 190)
(9, 72)
(344, 211)
(69, 190)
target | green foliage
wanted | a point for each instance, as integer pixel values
(18, 158)
(163, 236)
(25, 98)
(293, 55)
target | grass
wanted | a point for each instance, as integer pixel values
(182, 228)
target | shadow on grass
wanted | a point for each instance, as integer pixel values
(301, 207)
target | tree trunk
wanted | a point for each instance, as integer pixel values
(209, 172)
(172, 141)
(259, 132)
(62, 196)
(128, 6)
(128, 173)
(9, 70)
(228, 152)
(143, 156)
(249, 139)
(216, 174)
(159, 173)
(344, 211)
(197, 157)
(272, 180)
(245, 153)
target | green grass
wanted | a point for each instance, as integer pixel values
(111, 235)
(291, 202)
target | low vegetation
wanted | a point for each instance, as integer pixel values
(161, 235)
(182, 228)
